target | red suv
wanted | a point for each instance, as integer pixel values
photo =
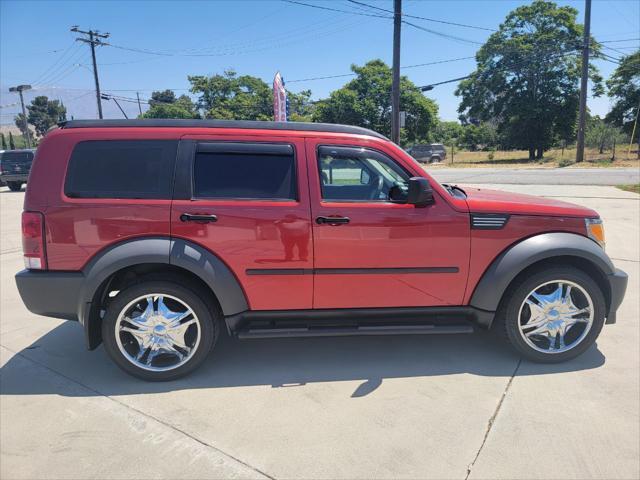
(156, 235)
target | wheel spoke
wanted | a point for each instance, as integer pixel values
(537, 315)
(580, 312)
(177, 333)
(541, 330)
(180, 316)
(150, 310)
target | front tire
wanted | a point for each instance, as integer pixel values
(553, 314)
(159, 330)
(14, 186)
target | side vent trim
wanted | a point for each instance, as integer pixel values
(488, 221)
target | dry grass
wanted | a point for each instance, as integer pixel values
(552, 159)
(630, 188)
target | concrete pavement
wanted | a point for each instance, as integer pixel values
(396, 407)
(537, 176)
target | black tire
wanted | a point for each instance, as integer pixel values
(14, 186)
(208, 320)
(435, 159)
(507, 317)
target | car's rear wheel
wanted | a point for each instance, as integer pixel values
(553, 315)
(159, 330)
(14, 186)
(435, 159)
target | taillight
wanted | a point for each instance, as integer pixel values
(33, 241)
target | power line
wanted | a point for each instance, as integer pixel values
(402, 67)
(621, 40)
(505, 68)
(55, 65)
(261, 44)
(336, 9)
(424, 18)
(419, 27)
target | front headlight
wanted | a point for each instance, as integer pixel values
(595, 230)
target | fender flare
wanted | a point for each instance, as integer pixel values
(171, 251)
(496, 279)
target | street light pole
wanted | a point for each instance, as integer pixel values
(582, 114)
(20, 89)
(395, 85)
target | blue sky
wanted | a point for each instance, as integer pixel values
(253, 37)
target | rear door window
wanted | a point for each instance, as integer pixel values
(245, 171)
(121, 169)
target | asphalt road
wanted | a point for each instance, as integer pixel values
(458, 406)
(537, 176)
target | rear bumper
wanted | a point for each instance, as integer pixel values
(22, 177)
(52, 294)
(618, 286)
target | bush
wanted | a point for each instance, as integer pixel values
(565, 162)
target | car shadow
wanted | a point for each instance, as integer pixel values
(280, 363)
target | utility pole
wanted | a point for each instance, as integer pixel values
(93, 40)
(20, 89)
(395, 85)
(582, 115)
(139, 106)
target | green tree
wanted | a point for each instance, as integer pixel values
(4, 142)
(366, 101)
(447, 132)
(602, 135)
(479, 137)
(165, 96)
(12, 143)
(527, 77)
(45, 113)
(22, 124)
(233, 97)
(624, 87)
(301, 108)
(165, 104)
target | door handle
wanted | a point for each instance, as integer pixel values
(192, 217)
(332, 220)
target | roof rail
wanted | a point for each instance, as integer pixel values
(246, 124)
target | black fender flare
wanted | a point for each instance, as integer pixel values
(171, 251)
(496, 279)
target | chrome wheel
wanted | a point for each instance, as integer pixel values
(157, 332)
(555, 316)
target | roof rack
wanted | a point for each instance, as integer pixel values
(246, 124)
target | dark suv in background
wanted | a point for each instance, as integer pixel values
(15, 166)
(428, 153)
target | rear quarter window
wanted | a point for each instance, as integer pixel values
(121, 169)
(256, 174)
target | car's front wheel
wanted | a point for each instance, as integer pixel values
(159, 330)
(14, 186)
(553, 315)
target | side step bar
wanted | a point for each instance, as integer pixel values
(353, 331)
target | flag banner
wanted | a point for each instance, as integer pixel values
(279, 99)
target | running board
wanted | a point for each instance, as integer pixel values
(353, 331)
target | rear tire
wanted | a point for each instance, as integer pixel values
(553, 314)
(14, 186)
(144, 336)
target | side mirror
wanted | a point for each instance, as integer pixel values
(420, 192)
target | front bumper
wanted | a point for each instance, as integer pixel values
(52, 294)
(618, 287)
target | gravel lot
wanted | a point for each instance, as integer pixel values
(397, 407)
